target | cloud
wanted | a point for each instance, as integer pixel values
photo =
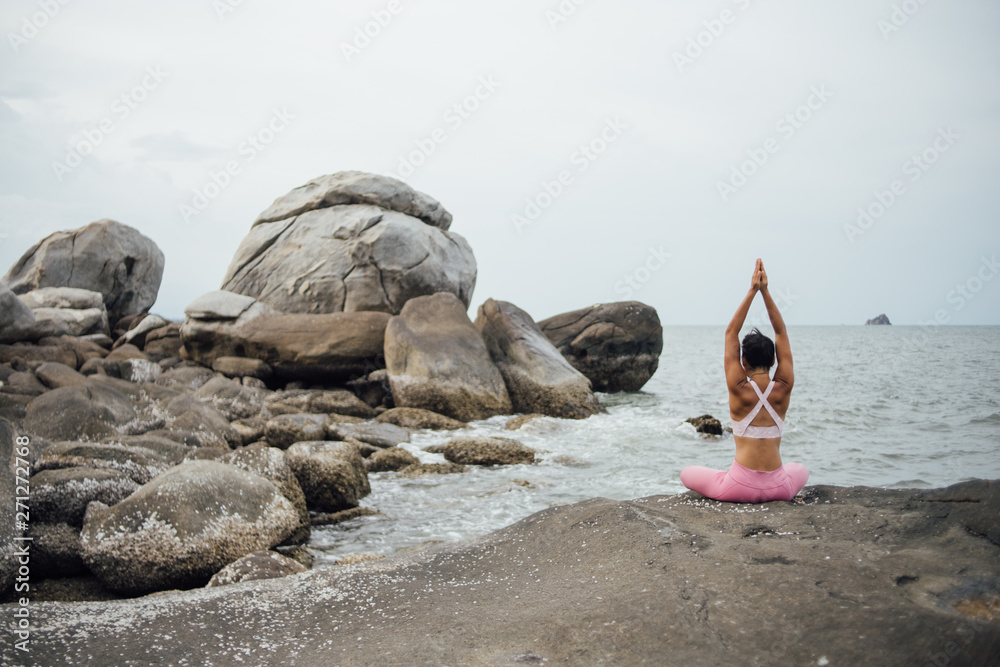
(7, 113)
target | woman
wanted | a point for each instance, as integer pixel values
(757, 406)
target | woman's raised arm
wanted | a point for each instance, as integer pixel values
(734, 369)
(782, 348)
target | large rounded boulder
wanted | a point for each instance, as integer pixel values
(105, 256)
(615, 345)
(183, 527)
(348, 242)
(437, 361)
(538, 378)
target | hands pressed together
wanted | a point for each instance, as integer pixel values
(759, 281)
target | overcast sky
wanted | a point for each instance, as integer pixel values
(690, 138)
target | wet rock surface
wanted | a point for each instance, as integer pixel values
(332, 474)
(849, 576)
(706, 424)
(437, 361)
(537, 376)
(485, 451)
(616, 345)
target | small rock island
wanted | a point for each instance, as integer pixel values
(881, 319)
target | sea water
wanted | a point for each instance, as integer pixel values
(885, 406)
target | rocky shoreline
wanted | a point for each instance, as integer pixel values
(163, 455)
(174, 471)
(847, 576)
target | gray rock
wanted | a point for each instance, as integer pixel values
(239, 367)
(14, 406)
(537, 376)
(355, 187)
(185, 377)
(187, 413)
(377, 434)
(616, 346)
(105, 256)
(28, 352)
(321, 347)
(62, 496)
(373, 389)
(351, 242)
(329, 401)
(67, 322)
(258, 565)
(24, 383)
(706, 424)
(285, 430)
(55, 375)
(219, 305)
(55, 550)
(487, 451)
(138, 370)
(71, 298)
(250, 430)
(343, 516)
(520, 421)
(183, 527)
(418, 419)
(70, 413)
(270, 463)
(126, 352)
(298, 553)
(137, 333)
(17, 321)
(332, 474)
(390, 459)
(437, 361)
(139, 463)
(164, 343)
(423, 469)
(231, 399)
(10, 529)
(169, 448)
(856, 576)
(101, 340)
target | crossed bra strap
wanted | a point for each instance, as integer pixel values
(743, 427)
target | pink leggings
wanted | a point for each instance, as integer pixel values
(743, 485)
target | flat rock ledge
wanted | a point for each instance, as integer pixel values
(849, 576)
